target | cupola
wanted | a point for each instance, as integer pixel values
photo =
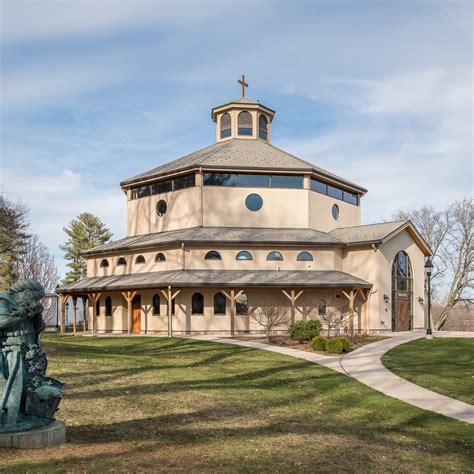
(242, 118)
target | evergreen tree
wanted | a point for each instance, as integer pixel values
(85, 232)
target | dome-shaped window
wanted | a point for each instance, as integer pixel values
(104, 263)
(108, 306)
(225, 125)
(160, 257)
(197, 303)
(263, 127)
(274, 256)
(156, 304)
(245, 123)
(213, 255)
(121, 261)
(140, 259)
(244, 255)
(219, 303)
(304, 257)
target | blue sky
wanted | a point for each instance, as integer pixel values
(379, 92)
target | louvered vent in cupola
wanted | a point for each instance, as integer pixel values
(245, 123)
(225, 125)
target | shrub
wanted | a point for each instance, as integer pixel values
(305, 330)
(338, 345)
(319, 343)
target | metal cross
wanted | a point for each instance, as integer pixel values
(243, 83)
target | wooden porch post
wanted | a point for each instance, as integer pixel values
(129, 295)
(63, 314)
(84, 314)
(170, 296)
(94, 298)
(293, 297)
(74, 320)
(363, 317)
(232, 297)
(351, 296)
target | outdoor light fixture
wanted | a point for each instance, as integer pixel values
(428, 269)
(386, 298)
(421, 300)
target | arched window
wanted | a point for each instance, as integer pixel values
(245, 123)
(242, 304)
(304, 257)
(322, 307)
(156, 304)
(97, 308)
(225, 125)
(121, 261)
(219, 303)
(108, 306)
(197, 304)
(402, 293)
(244, 255)
(263, 127)
(140, 259)
(104, 263)
(160, 257)
(213, 255)
(274, 256)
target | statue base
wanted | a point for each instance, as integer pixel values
(50, 435)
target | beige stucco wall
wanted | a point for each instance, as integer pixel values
(320, 213)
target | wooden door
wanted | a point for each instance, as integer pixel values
(137, 314)
(403, 318)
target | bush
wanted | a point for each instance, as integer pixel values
(305, 330)
(338, 345)
(319, 343)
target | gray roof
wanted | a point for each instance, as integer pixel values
(235, 154)
(366, 233)
(218, 278)
(221, 235)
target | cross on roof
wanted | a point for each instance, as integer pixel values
(243, 83)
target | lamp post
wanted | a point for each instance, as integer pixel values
(428, 270)
(67, 314)
(57, 309)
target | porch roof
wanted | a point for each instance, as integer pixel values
(217, 278)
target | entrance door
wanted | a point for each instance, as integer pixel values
(403, 317)
(137, 314)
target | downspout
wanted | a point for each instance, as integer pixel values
(378, 285)
(183, 263)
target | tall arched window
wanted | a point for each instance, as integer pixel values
(121, 261)
(244, 255)
(245, 123)
(140, 259)
(197, 303)
(219, 303)
(402, 289)
(213, 255)
(242, 304)
(108, 306)
(156, 304)
(97, 308)
(104, 263)
(304, 257)
(322, 307)
(225, 125)
(160, 257)
(263, 127)
(274, 256)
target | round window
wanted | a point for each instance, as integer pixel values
(254, 202)
(161, 208)
(335, 211)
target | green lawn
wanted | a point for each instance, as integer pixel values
(149, 404)
(444, 365)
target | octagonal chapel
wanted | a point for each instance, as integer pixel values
(241, 225)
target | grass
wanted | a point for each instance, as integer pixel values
(444, 365)
(150, 404)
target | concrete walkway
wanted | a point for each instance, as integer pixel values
(365, 365)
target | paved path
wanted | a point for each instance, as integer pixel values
(365, 365)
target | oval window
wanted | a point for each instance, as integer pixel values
(254, 202)
(335, 212)
(161, 208)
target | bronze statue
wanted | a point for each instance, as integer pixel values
(28, 399)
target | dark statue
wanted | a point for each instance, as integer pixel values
(28, 399)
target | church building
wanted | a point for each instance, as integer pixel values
(241, 225)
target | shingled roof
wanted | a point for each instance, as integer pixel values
(222, 235)
(236, 154)
(218, 278)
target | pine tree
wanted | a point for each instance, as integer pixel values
(85, 232)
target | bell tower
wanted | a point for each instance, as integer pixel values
(242, 118)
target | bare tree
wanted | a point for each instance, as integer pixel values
(458, 253)
(269, 318)
(334, 318)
